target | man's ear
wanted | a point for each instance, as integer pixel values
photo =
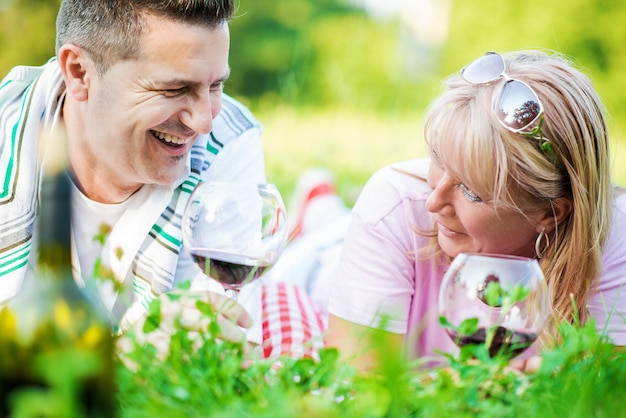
(77, 69)
(560, 210)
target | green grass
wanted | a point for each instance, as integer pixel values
(202, 375)
(353, 145)
(583, 377)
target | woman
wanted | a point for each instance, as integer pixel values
(519, 164)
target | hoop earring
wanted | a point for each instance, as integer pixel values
(539, 252)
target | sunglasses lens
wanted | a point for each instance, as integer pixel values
(519, 106)
(485, 69)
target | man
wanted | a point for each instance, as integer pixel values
(138, 87)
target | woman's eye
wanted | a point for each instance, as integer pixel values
(469, 195)
(435, 158)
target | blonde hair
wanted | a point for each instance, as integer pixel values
(462, 128)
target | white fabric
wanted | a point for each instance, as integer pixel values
(143, 247)
(87, 218)
(131, 229)
(608, 305)
(34, 90)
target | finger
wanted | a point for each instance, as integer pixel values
(220, 303)
(533, 364)
(529, 365)
(518, 364)
(231, 309)
(193, 320)
(229, 331)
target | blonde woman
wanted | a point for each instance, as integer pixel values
(519, 164)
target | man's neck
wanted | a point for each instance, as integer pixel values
(88, 174)
(102, 191)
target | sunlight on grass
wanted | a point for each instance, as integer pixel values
(351, 145)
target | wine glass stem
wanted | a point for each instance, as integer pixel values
(232, 294)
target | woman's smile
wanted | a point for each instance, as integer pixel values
(448, 232)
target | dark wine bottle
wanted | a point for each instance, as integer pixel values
(56, 347)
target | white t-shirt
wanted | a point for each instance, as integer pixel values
(87, 218)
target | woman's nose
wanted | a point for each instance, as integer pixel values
(440, 199)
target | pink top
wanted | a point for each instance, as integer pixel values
(379, 274)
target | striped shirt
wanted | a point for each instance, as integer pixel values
(144, 248)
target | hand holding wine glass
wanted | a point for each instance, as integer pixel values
(499, 300)
(235, 230)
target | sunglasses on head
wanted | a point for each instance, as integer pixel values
(518, 108)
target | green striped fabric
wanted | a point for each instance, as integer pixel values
(29, 98)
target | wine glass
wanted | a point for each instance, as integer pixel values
(501, 301)
(235, 230)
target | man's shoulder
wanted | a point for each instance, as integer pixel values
(234, 121)
(25, 75)
(36, 85)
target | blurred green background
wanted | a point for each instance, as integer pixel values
(343, 84)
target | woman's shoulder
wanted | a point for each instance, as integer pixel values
(619, 200)
(615, 247)
(417, 168)
(403, 179)
(619, 210)
(393, 185)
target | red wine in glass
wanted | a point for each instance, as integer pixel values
(505, 295)
(235, 231)
(507, 342)
(231, 275)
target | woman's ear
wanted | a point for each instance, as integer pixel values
(560, 210)
(77, 69)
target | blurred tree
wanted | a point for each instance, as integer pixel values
(288, 52)
(27, 32)
(328, 53)
(588, 31)
(315, 53)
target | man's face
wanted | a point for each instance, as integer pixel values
(143, 115)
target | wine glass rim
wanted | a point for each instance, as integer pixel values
(496, 255)
(231, 257)
(238, 183)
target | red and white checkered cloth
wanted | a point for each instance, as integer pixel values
(291, 327)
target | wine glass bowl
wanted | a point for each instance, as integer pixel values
(235, 230)
(499, 300)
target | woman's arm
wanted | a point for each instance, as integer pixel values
(364, 347)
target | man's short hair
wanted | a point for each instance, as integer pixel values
(110, 30)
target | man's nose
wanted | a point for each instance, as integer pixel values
(201, 112)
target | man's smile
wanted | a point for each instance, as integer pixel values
(171, 140)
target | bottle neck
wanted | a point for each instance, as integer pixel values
(54, 226)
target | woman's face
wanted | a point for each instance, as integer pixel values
(467, 223)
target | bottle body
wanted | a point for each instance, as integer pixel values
(56, 347)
